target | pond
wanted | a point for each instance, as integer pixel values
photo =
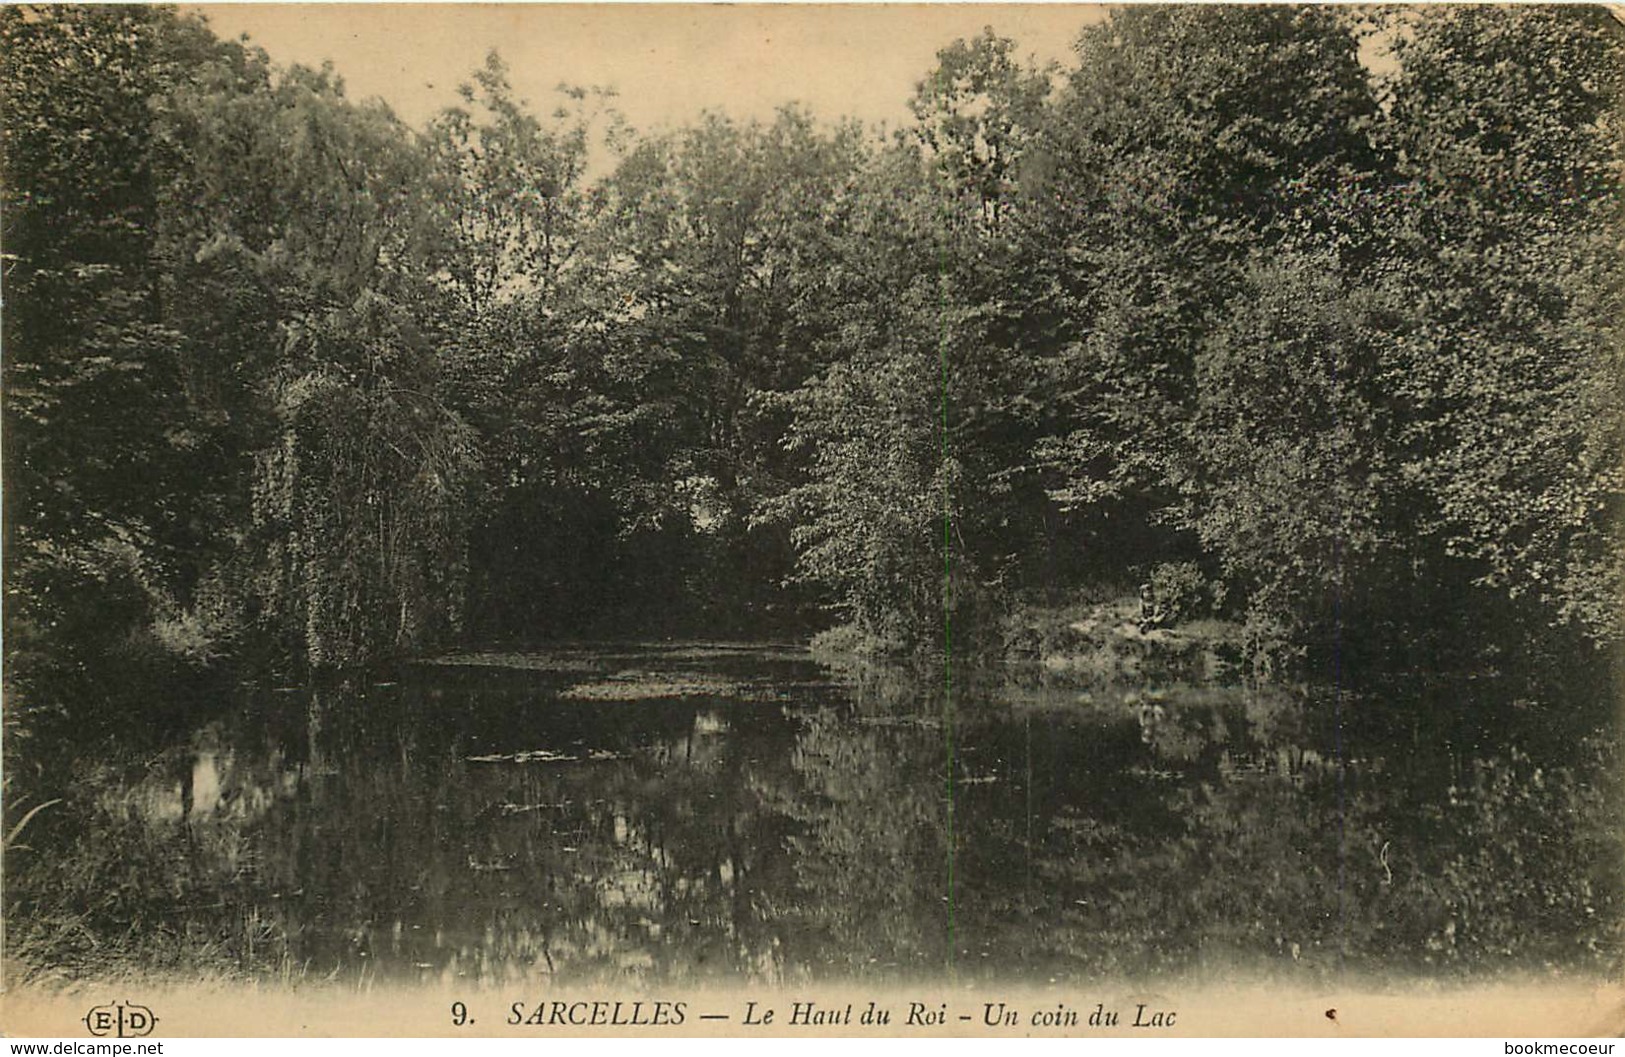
(723, 812)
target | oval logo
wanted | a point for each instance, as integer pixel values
(126, 1020)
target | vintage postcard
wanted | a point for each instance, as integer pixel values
(795, 520)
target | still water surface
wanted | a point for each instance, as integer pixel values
(720, 812)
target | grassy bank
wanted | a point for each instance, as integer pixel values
(1093, 642)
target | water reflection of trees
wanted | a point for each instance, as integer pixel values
(870, 851)
(392, 832)
(646, 862)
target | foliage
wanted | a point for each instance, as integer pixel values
(1177, 592)
(1295, 455)
(977, 112)
(1186, 141)
(253, 377)
(1509, 389)
(1325, 344)
(290, 381)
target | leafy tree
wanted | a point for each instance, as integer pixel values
(104, 511)
(1187, 140)
(354, 471)
(209, 253)
(1299, 484)
(361, 508)
(704, 302)
(508, 188)
(980, 115)
(1507, 122)
(882, 474)
(977, 112)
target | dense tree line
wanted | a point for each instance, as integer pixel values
(1334, 340)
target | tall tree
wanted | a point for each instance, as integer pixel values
(104, 512)
(353, 469)
(1508, 124)
(705, 301)
(977, 112)
(1187, 139)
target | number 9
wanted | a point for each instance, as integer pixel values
(459, 1014)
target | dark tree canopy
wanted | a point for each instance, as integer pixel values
(289, 382)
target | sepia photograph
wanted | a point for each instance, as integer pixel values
(787, 520)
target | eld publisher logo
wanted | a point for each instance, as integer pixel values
(124, 1019)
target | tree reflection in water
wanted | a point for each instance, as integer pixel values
(743, 814)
